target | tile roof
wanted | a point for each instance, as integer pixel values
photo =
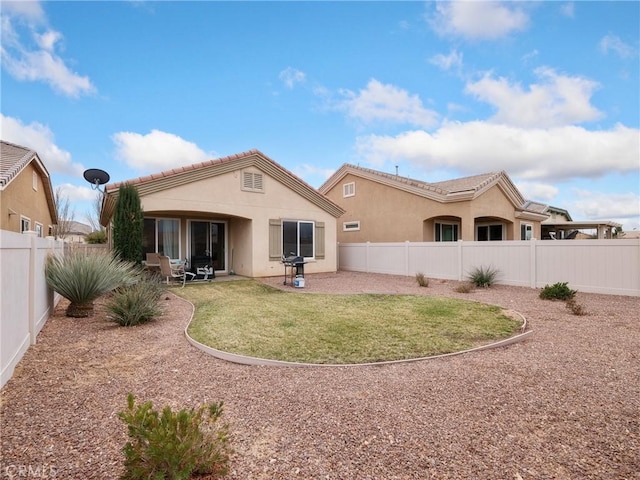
(13, 158)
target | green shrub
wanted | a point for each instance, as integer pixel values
(81, 278)
(557, 291)
(483, 276)
(135, 304)
(422, 280)
(171, 445)
(99, 236)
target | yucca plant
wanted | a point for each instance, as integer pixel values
(483, 277)
(81, 278)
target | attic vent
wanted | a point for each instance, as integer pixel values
(252, 182)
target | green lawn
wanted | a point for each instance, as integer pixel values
(249, 318)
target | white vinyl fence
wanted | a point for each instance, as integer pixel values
(25, 299)
(594, 266)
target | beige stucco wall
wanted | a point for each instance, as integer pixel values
(20, 197)
(247, 214)
(387, 214)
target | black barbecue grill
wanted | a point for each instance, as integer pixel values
(294, 266)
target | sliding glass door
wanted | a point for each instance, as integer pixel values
(207, 243)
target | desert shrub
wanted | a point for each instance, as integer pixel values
(483, 276)
(575, 307)
(464, 288)
(135, 304)
(99, 236)
(81, 278)
(422, 280)
(557, 291)
(172, 445)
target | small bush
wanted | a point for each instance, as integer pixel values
(174, 445)
(136, 304)
(422, 280)
(99, 236)
(483, 276)
(575, 307)
(557, 291)
(464, 288)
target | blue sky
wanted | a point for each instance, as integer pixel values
(547, 91)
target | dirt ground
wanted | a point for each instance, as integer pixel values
(564, 404)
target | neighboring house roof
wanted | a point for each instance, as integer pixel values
(13, 159)
(212, 168)
(559, 211)
(456, 190)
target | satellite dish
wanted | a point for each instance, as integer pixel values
(96, 177)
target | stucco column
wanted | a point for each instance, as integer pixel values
(467, 229)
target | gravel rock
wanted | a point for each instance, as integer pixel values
(563, 404)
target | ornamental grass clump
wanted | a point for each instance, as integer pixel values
(172, 445)
(137, 303)
(81, 278)
(422, 280)
(557, 291)
(483, 276)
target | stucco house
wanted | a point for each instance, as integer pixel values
(560, 226)
(26, 195)
(383, 207)
(241, 213)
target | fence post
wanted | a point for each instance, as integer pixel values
(366, 256)
(31, 294)
(406, 258)
(460, 272)
(532, 265)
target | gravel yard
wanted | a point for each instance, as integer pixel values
(564, 404)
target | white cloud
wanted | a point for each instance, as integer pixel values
(306, 171)
(290, 77)
(614, 44)
(447, 62)
(40, 64)
(557, 100)
(531, 154)
(479, 20)
(387, 103)
(541, 192)
(605, 206)
(156, 151)
(77, 194)
(568, 9)
(38, 137)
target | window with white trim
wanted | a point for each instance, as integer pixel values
(39, 229)
(25, 224)
(526, 231)
(489, 232)
(252, 182)
(351, 226)
(161, 235)
(35, 181)
(446, 232)
(349, 189)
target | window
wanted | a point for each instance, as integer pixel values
(349, 189)
(252, 182)
(35, 181)
(489, 232)
(351, 226)
(39, 230)
(297, 238)
(446, 232)
(526, 231)
(161, 235)
(25, 224)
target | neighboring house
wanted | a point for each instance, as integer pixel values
(560, 226)
(77, 232)
(240, 213)
(382, 207)
(26, 195)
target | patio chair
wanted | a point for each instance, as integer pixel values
(153, 261)
(175, 271)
